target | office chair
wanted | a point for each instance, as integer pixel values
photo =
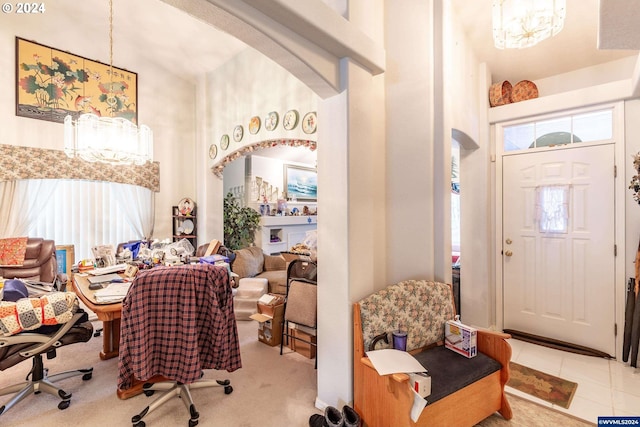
(32, 344)
(177, 321)
(300, 304)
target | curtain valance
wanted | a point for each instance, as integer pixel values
(17, 162)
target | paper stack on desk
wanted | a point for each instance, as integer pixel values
(115, 292)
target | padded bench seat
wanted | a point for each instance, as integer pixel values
(451, 371)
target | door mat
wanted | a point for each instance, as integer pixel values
(543, 386)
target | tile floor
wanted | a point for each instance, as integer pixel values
(605, 387)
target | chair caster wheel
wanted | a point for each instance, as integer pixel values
(139, 424)
(223, 382)
(149, 392)
(87, 377)
(64, 404)
(193, 423)
(228, 389)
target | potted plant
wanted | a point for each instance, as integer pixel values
(240, 223)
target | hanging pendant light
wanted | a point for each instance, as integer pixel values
(519, 24)
(112, 140)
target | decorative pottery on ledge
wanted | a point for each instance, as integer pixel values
(500, 94)
(503, 93)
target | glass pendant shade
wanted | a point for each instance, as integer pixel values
(112, 140)
(519, 24)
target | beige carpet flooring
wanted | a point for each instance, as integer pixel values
(269, 390)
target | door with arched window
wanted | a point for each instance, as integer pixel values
(559, 236)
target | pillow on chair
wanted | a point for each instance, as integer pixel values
(32, 313)
(249, 262)
(12, 251)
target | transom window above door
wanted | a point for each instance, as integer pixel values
(569, 129)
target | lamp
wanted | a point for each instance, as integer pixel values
(112, 140)
(523, 23)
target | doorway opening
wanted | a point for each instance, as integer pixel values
(455, 222)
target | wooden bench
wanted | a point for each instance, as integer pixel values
(422, 307)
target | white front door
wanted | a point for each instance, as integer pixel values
(558, 244)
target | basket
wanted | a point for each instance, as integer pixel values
(500, 93)
(524, 90)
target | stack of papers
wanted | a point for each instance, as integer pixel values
(115, 292)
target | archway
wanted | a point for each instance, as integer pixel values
(218, 169)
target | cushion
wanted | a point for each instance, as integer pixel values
(274, 262)
(32, 313)
(12, 251)
(249, 262)
(420, 307)
(277, 280)
(451, 371)
(301, 303)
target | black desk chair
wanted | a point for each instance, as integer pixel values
(32, 345)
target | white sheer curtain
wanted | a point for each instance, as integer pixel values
(7, 192)
(26, 203)
(141, 213)
(89, 213)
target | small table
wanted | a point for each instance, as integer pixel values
(108, 313)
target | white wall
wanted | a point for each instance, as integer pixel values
(465, 102)
(169, 112)
(248, 85)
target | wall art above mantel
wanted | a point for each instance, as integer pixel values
(51, 83)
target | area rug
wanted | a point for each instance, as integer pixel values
(541, 385)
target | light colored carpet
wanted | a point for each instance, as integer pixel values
(269, 390)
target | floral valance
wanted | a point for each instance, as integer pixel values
(18, 162)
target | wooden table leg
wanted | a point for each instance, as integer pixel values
(110, 339)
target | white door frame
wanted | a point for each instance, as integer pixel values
(619, 209)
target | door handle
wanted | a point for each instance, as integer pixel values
(508, 253)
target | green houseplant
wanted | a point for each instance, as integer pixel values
(240, 223)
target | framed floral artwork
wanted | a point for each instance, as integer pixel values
(51, 84)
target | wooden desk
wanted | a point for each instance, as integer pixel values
(108, 313)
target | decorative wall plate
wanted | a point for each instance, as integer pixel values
(309, 122)
(271, 121)
(224, 141)
(187, 226)
(290, 119)
(238, 133)
(213, 151)
(254, 125)
(186, 206)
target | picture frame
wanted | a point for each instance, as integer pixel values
(65, 255)
(52, 83)
(301, 183)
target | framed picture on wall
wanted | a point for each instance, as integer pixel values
(301, 183)
(65, 255)
(52, 83)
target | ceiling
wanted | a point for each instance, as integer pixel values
(159, 34)
(188, 47)
(575, 47)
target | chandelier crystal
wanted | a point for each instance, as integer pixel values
(111, 140)
(519, 24)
